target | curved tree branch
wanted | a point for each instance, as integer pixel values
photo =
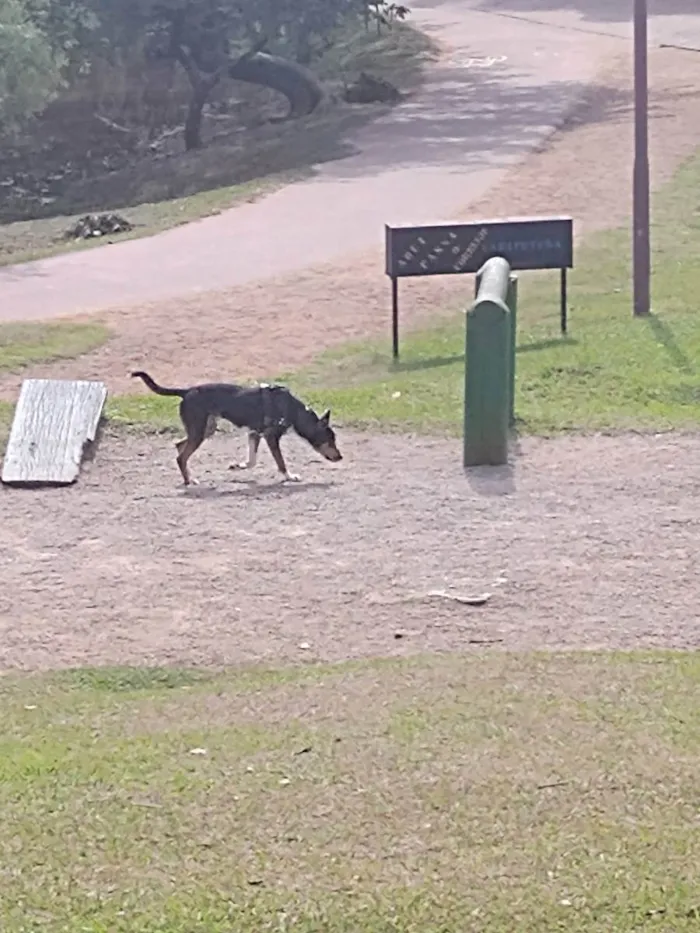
(296, 83)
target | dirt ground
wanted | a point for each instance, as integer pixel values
(586, 542)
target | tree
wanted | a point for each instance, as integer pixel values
(304, 26)
(215, 39)
(384, 12)
(30, 70)
(67, 25)
(247, 40)
(263, 42)
(199, 35)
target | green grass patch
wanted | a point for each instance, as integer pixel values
(28, 240)
(139, 411)
(23, 344)
(128, 679)
(614, 372)
(7, 410)
(497, 793)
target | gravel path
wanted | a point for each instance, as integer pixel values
(586, 542)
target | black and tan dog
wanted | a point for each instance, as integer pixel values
(267, 411)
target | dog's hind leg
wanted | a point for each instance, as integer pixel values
(185, 449)
(273, 442)
(253, 444)
(198, 429)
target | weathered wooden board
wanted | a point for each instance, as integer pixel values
(54, 420)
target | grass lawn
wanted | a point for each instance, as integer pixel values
(614, 372)
(440, 794)
(24, 344)
(156, 195)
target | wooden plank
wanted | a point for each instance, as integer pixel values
(54, 420)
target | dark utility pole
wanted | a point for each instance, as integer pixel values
(641, 250)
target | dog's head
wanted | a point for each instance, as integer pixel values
(322, 438)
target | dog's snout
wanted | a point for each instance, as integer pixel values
(330, 452)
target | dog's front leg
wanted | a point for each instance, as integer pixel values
(273, 442)
(253, 444)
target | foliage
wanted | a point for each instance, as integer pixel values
(67, 25)
(212, 38)
(44, 43)
(30, 70)
(215, 30)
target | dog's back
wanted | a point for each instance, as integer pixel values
(252, 407)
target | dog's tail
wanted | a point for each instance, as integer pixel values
(159, 390)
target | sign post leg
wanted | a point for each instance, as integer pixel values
(563, 312)
(395, 317)
(512, 303)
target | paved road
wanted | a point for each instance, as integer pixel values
(675, 22)
(425, 161)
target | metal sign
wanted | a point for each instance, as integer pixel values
(453, 249)
(448, 249)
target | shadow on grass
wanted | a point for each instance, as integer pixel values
(129, 679)
(411, 366)
(548, 344)
(436, 362)
(663, 334)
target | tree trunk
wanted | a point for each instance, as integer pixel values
(193, 123)
(295, 82)
(202, 86)
(201, 91)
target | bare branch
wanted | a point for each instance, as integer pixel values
(258, 46)
(115, 126)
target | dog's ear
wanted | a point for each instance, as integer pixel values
(326, 416)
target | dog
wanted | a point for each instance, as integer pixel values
(267, 411)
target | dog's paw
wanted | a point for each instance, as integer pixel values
(291, 478)
(238, 466)
(191, 482)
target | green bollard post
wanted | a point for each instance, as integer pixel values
(488, 395)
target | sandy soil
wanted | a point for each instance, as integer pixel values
(585, 542)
